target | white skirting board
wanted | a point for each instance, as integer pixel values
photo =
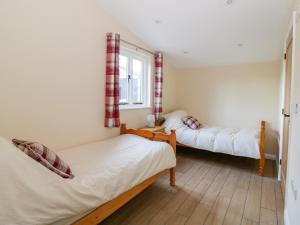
(286, 217)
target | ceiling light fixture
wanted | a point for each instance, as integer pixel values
(240, 44)
(157, 21)
(229, 2)
(185, 52)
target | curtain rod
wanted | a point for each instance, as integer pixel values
(137, 47)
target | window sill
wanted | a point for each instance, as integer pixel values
(130, 107)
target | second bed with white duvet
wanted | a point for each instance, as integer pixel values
(234, 141)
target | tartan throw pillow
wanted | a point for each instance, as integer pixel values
(45, 156)
(191, 122)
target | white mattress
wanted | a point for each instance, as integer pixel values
(233, 141)
(31, 194)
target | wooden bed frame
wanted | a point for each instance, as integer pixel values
(105, 210)
(262, 139)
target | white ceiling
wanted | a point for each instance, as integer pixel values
(209, 30)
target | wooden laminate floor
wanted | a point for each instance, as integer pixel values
(212, 189)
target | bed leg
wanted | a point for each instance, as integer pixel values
(173, 177)
(262, 167)
(123, 128)
(173, 170)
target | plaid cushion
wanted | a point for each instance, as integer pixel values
(44, 156)
(191, 122)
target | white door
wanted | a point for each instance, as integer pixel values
(286, 114)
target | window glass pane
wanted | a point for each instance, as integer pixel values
(123, 81)
(123, 61)
(123, 90)
(123, 73)
(137, 81)
(137, 90)
(137, 67)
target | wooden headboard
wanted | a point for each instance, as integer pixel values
(154, 136)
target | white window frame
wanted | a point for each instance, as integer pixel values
(146, 79)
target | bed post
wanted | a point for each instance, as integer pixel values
(173, 170)
(262, 139)
(123, 128)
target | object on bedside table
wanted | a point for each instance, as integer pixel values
(150, 120)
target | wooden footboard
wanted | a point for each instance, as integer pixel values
(262, 140)
(105, 210)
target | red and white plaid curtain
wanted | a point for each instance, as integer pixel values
(112, 114)
(158, 81)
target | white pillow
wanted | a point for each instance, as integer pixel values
(174, 120)
(180, 113)
(3, 143)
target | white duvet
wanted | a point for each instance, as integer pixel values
(32, 194)
(233, 141)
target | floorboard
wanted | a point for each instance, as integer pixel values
(212, 189)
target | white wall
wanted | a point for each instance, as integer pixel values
(233, 96)
(52, 72)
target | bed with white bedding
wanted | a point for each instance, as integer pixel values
(244, 142)
(32, 194)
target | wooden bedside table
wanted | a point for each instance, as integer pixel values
(160, 129)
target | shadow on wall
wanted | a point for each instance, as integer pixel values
(272, 143)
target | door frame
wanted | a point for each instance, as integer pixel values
(291, 33)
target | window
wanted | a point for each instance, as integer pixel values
(134, 80)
